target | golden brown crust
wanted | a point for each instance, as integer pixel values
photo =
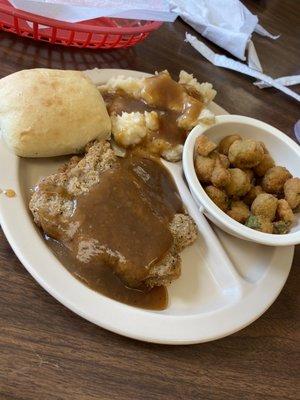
(48, 112)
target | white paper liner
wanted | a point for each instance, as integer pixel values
(226, 62)
(284, 80)
(263, 32)
(253, 60)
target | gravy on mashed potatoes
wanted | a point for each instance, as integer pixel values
(156, 112)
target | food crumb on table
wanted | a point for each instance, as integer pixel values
(9, 192)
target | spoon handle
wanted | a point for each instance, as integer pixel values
(221, 266)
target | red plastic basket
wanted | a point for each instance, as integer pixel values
(100, 33)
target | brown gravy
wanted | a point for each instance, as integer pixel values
(163, 92)
(164, 96)
(101, 278)
(123, 230)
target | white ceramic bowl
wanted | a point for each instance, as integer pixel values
(284, 151)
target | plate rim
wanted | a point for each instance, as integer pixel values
(148, 325)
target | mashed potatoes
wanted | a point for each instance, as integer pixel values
(157, 112)
(130, 128)
(204, 90)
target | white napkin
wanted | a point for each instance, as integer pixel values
(82, 10)
(227, 23)
(230, 25)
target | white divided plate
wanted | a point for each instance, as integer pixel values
(215, 296)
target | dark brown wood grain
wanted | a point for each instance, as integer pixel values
(49, 353)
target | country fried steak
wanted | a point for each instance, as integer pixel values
(58, 197)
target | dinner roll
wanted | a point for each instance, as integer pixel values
(48, 112)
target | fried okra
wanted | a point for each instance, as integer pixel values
(244, 182)
(274, 179)
(239, 183)
(266, 163)
(227, 142)
(239, 211)
(266, 151)
(204, 167)
(281, 227)
(292, 192)
(223, 159)
(252, 194)
(218, 196)
(265, 205)
(259, 223)
(220, 176)
(204, 146)
(250, 174)
(284, 211)
(245, 153)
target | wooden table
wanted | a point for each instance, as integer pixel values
(47, 352)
